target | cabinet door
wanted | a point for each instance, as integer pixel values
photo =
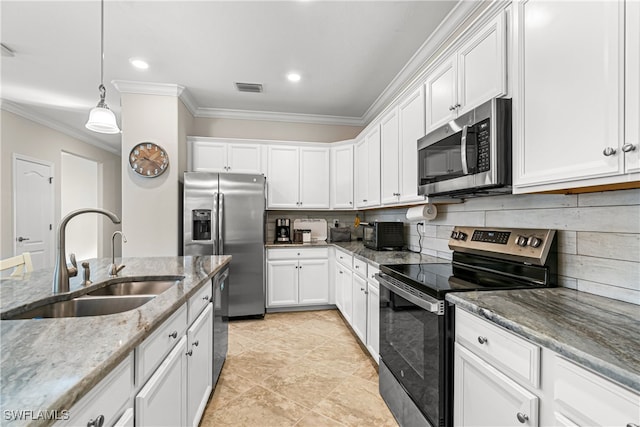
(340, 272)
(362, 173)
(163, 400)
(282, 177)
(342, 183)
(373, 321)
(568, 92)
(482, 66)
(411, 112)
(440, 90)
(483, 396)
(347, 295)
(632, 88)
(313, 281)
(199, 365)
(359, 316)
(282, 283)
(126, 420)
(244, 158)
(389, 153)
(209, 156)
(373, 152)
(314, 178)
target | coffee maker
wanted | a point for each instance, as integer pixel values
(283, 230)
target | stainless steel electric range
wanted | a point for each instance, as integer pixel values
(417, 324)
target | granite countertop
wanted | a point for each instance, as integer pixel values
(358, 249)
(49, 364)
(599, 333)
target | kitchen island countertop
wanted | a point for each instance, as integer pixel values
(49, 364)
(599, 333)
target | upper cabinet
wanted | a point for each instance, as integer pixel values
(297, 177)
(390, 157)
(576, 121)
(213, 155)
(474, 73)
(367, 165)
(342, 176)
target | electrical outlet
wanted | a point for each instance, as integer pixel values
(336, 223)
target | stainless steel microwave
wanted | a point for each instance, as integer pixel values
(470, 155)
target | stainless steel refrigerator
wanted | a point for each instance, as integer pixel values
(224, 214)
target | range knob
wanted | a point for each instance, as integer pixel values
(534, 242)
(462, 235)
(454, 235)
(521, 241)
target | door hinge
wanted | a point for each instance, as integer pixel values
(50, 180)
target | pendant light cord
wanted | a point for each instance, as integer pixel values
(102, 44)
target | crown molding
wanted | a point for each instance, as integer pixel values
(34, 116)
(147, 88)
(223, 113)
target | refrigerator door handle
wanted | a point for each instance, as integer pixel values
(220, 246)
(215, 220)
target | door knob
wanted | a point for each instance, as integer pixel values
(22, 239)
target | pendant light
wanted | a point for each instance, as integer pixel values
(101, 118)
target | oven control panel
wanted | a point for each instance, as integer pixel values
(529, 245)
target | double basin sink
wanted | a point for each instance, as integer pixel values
(110, 299)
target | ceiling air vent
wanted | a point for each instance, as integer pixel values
(249, 87)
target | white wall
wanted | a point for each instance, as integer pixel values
(23, 136)
(598, 234)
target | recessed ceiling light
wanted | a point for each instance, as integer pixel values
(139, 63)
(293, 77)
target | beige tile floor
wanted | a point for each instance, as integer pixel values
(296, 369)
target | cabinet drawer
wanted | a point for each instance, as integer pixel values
(371, 276)
(298, 253)
(199, 301)
(510, 353)
(108, 398)
(344, 258)
(359, 267)
(587, 399)
(152, 351)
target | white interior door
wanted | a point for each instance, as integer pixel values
(79, 189)
(33, 198)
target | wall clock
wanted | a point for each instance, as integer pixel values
(148, 159)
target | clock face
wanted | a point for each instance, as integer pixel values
(148, 159)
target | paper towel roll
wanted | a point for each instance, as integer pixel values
(423, 212)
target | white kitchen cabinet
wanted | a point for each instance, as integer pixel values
(367, 153)
(199, 355)
(411, 127)
(373, 313)
(484, 396)
(390, 157)
(578, 140)
(107, 401)
(163, 399)
(473, 74)
(359, 313)
(297, 177)
(212, 155)
(126, 420)
(631, 146)
(342, 177)
(297, 277)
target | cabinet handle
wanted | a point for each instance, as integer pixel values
(340, 271)
(351, 203)
(609, 151)
(189, 353)
(362, 289)
(626, 148)
(173, 334)
(482, 340)
(206, 298)
(451, 108)
(357, 267)
(633, 425)
(457, 106)
(523, 418)
(195, 343)
(98, 422)
(364, 200)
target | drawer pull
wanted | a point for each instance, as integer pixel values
(523, 418)
(98, 422)
(189, 353)
(173, 334)
(482, 340)
(206, 298)
(195, 343)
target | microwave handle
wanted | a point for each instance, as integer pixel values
(463, 150)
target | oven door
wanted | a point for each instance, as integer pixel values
(416, 346)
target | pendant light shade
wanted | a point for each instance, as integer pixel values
(101, 118)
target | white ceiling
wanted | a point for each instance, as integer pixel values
(347, 52)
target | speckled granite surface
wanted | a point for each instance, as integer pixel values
(599, 333)
(375, 257)
(49, 364)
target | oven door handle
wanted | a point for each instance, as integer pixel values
(425, 301)
(463, 150)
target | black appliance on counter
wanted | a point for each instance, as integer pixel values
(381, 235)
(417, 324)
(283, 230)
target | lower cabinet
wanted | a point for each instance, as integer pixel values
(359, 317)
(297, 277)
(373, 313)
(199, 365)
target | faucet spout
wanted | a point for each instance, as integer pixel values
(61, 271)
(115, 268)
